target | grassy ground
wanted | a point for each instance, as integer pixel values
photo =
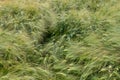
(60, 40)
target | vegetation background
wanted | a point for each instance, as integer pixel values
(60, 40)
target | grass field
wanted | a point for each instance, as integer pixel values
(60, 40)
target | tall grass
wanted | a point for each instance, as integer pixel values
(59, 40)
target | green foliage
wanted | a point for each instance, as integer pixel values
(60, 40)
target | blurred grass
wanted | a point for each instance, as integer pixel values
(59, 40)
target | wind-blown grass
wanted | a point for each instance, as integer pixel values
(60, 40)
